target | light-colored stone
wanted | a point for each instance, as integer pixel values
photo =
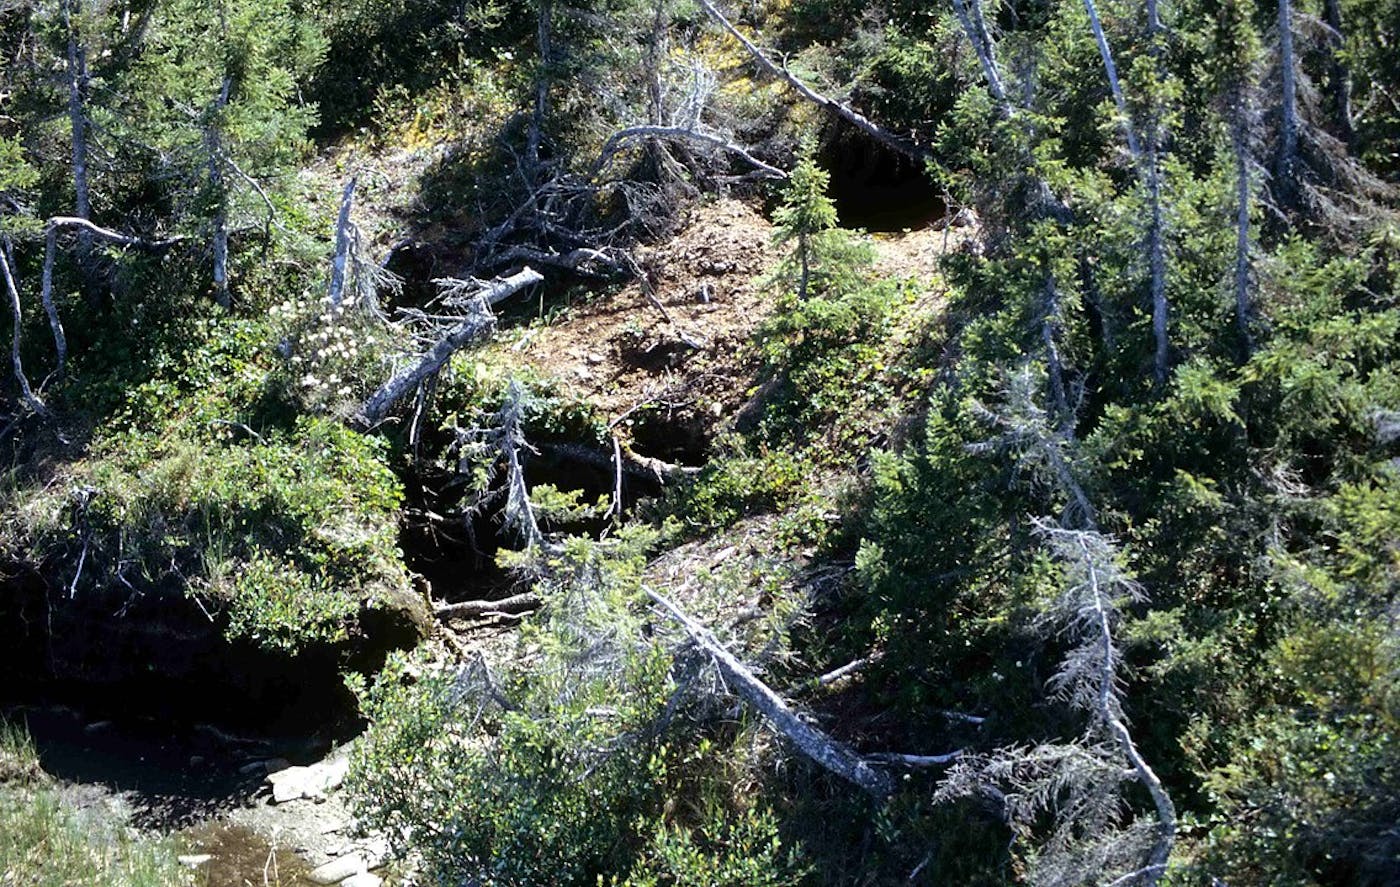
(312, 781)
(375, 850)
(338, 870)
(363, 879)
(194, 860)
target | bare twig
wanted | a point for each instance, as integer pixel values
(835, 756)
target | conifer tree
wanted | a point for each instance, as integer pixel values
(806, 215)
(214, 94)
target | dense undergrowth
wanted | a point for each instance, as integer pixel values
(1109, 506)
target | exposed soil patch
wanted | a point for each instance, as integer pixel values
(667, 375)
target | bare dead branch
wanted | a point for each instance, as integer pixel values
(472, 327)
(51, 230)
(679, 133)
(514, 605)
(632, 463)
(27, 394)
(342, 244)
(885, 137)
(834, 756)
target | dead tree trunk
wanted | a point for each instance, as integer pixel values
(1114, 85)
(471, 328)
(213, 145)
(1095, 617)
(888, 139)
(1286, 164)
(1148, 166)
(60, 339)
(343, 237)
(544, 40)
(1050, 324)
(974, 25)
(969, 13)
(815, 744)
(27, 394)
(1243, 309)
(84, 227)
(656, 52)
(1157, 269)
(78, 122)
(515, 605)
(1340, 74)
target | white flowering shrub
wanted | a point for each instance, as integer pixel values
(335, 356)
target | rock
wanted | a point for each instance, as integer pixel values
(97, 726)
(376, 851)
(194, 860)
(312, 781)
(363, 879)
(338, 870)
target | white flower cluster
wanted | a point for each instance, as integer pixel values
(325, 354)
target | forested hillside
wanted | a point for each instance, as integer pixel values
(693, 442)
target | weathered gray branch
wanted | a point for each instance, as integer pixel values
(974, 25)
(472, 327)
(1149, 170)
(1340, 75)
(78, 122)
(1110, 711)
(1114, 85)
(812, 742)
(514, 605)
(680, 133)
(888, 139)
(213, 146)
(1286, 170)
(26, 392)
(632, 463)
(51, 229)
(343, 237)
(1243, 308)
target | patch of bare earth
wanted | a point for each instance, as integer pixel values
(675, 341)
(678, 341)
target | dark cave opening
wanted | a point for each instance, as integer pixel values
(876, 188)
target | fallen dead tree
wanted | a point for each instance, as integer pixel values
(863, 771)
(515, 605)
(890, 140)
(477, 323)
(624, 460)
